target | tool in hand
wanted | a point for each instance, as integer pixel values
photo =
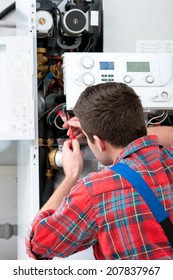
(71, 136)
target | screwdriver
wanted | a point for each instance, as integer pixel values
(71, 136)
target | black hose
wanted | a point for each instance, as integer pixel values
(48, 189)
(42, 171)
(8, 10)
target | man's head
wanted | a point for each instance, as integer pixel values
(111, 111)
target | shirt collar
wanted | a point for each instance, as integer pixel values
(138, 144)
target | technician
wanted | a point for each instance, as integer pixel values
(104, 210)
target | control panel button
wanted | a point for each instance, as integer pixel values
(164, 95)
(87, 62)
(104, 80)
(88, 79)
(154, 95)
(150, 79)
(127, 79)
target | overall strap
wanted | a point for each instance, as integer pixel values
(152, 201)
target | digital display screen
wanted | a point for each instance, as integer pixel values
(106, 65)
(138, 67)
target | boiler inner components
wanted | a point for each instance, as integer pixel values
(44, 24)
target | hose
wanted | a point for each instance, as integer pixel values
(8, 10)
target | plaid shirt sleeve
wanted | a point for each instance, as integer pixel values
(69, 229)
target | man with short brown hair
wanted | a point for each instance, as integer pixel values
(103, 209)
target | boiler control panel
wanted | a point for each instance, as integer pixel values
(149, 74)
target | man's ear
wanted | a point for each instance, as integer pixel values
(101, 145)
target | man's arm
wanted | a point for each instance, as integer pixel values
(58, 233)
(164, 133)
(62, 190)
(72, 165)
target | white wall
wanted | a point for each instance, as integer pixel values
(127, 21)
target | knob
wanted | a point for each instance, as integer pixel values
(164, 95)
(88, 79)
(87, 62)
(127, 79)
(150, 79)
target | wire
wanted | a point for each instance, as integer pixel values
(164, 115)
(58, 107)
(55, 123)
(8, 10)
(54, 114)
(44, 114)
(89, 45)
(59, 12)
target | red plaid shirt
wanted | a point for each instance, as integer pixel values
(104, 211)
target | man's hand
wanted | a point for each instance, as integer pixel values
(72, 159)
(73, 165)
(164, 134)
(76, 128)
